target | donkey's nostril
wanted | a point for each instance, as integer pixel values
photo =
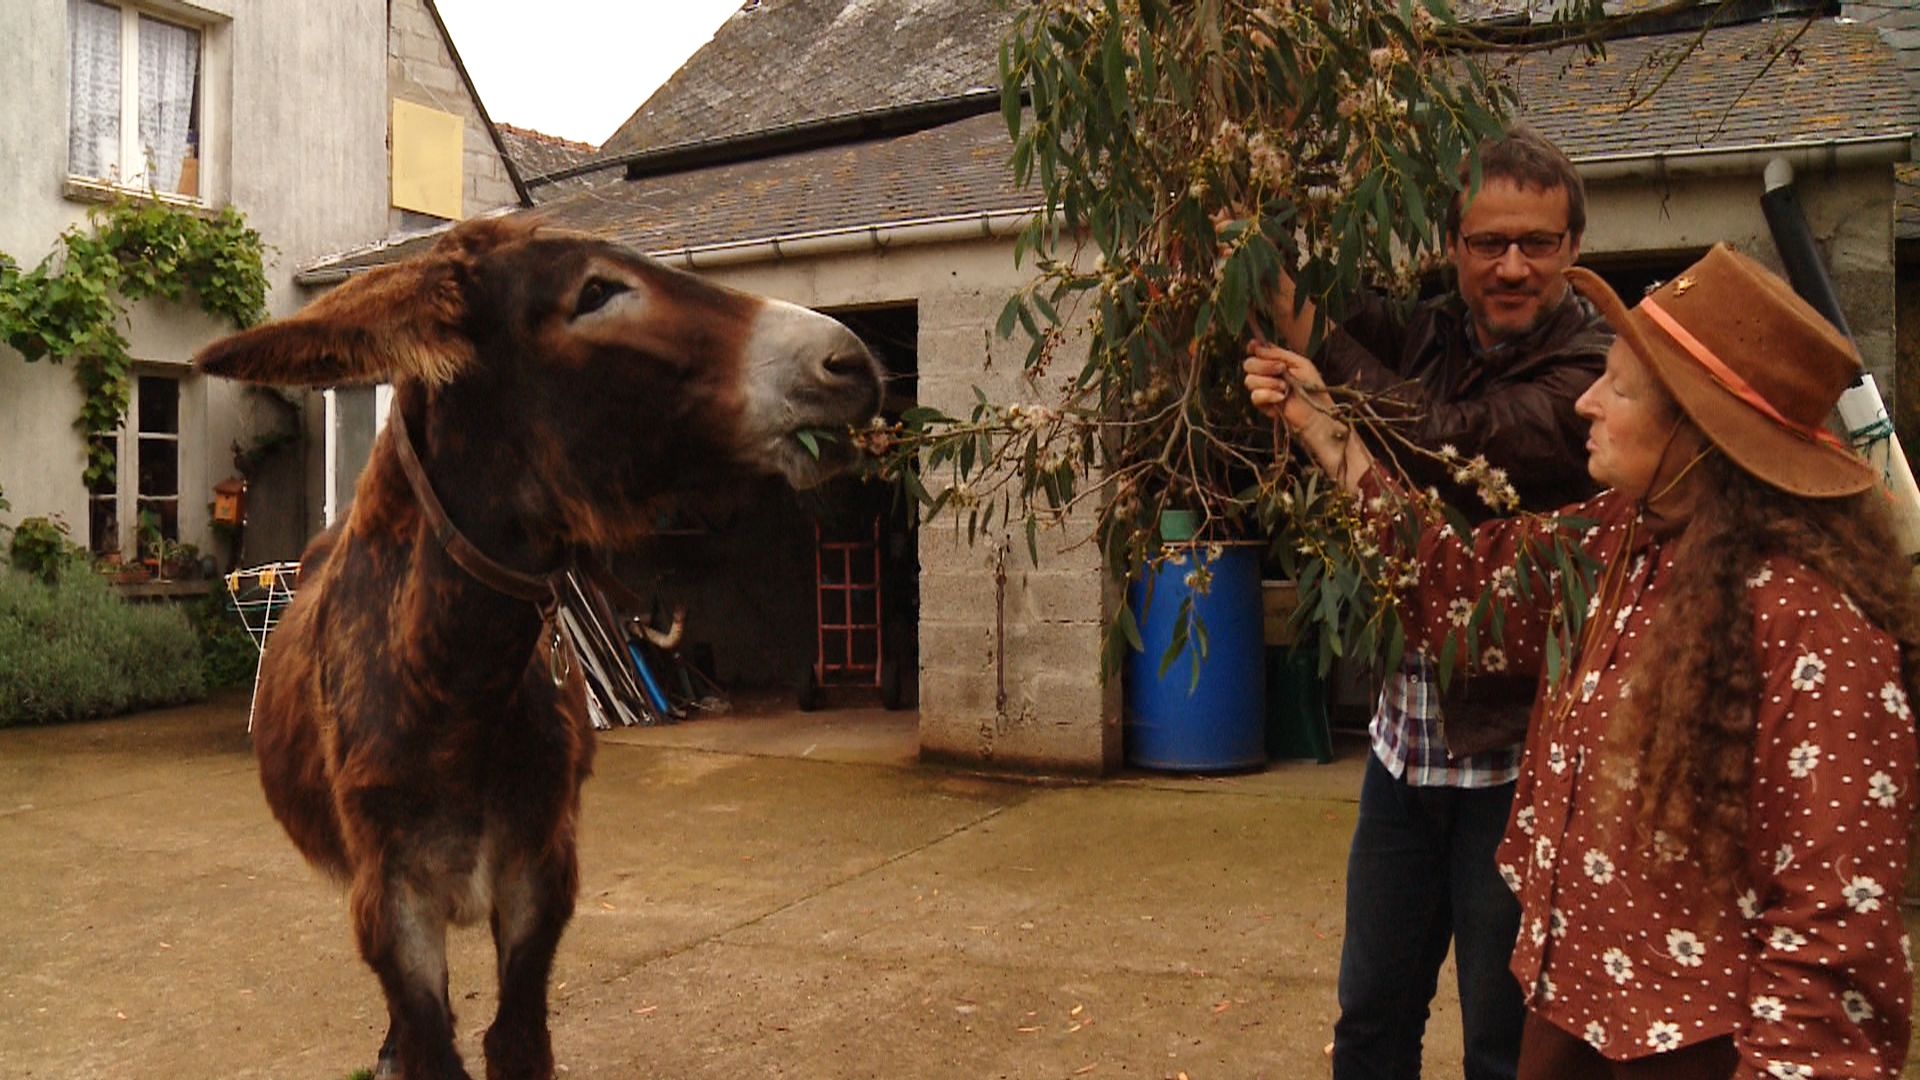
(847, 363)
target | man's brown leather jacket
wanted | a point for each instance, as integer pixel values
(1512, 403)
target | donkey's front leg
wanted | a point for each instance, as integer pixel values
(387, 1065)
(403, 937)
(532, 901)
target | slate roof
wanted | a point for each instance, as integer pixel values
(1836, 80)
(780, 62)
(1839, 80)
(958, 168)
(1898, 22)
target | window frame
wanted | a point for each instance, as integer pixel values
(126, 497)
(106, 188)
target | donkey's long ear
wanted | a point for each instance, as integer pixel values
(392, 324)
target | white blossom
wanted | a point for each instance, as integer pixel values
(1894, 700)
(1684, 947)
(1460, 612)
(1599, 867)
(1881, 789)
(1802, 759)
(1767, 1009)
(1808, 672)
(1760, 577)
(1668, 848)
(1785, 940)
(1663, 1035)
(1749, 902)
(1596, 1034)
(1618, 967)
(1863, 894)
(1855, 1005)
(1787, 1070)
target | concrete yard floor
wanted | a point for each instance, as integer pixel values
(765, 894)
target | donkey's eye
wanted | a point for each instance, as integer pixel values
(595, 294)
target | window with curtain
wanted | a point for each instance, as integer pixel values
(134, 98)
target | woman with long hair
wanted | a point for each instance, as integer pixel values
(1710, 832)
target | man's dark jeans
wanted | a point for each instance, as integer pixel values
(1422, 872)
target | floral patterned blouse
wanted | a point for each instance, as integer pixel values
(1623, 943)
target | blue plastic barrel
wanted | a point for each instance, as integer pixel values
(1219, 724)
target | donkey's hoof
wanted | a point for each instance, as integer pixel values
(387, 1068)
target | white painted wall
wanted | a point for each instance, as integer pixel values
(302, 152)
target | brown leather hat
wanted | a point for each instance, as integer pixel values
(1754, 367)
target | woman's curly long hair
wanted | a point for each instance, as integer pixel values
(1688, 731)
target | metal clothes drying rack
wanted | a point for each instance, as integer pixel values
(258, 594)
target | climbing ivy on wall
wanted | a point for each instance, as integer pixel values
(73, 305)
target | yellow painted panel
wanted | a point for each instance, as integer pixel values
(427, 159)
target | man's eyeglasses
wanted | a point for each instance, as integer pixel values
(1534, 245)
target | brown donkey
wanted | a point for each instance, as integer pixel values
(421, 731)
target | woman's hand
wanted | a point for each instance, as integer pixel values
(1285, 386)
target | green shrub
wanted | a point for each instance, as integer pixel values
(74, 650)
(227, 652)
(42, 547)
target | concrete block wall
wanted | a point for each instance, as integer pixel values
(420, 69)
(1904, 396)
(1850, 214)
(1010, 649)
(1009, 672)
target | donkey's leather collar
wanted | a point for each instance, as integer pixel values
(500, 579)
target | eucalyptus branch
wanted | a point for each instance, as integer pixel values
(1189, 153)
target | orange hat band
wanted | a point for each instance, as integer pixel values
(1730, 379)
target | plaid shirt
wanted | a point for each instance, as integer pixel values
(1407, 739)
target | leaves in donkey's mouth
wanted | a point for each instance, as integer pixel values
(811, 438)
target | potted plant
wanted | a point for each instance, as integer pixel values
(158, 550)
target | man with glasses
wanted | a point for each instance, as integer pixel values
(1491, 368)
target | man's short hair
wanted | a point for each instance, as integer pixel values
(1524, 157)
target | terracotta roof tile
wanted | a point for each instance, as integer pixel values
(537, 153)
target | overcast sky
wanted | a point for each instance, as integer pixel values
(576, 68)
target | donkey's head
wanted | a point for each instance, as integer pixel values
(575, 376)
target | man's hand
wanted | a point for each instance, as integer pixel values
(1293, 329)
